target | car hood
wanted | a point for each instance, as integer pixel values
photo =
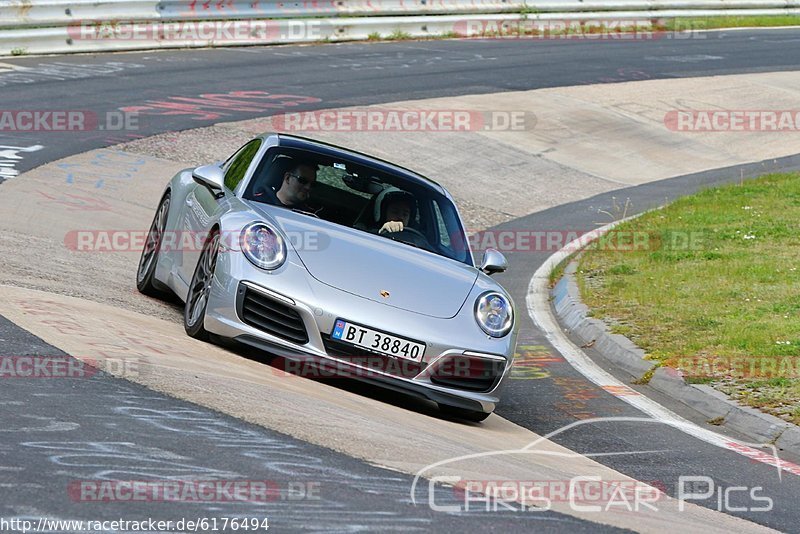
(366, 265)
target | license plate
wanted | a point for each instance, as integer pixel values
(377, 341)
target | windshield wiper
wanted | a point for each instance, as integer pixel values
(304, 212)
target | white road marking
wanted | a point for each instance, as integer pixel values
(7, 67)
(695, 58)
(10, 156)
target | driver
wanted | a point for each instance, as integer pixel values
(395, 209)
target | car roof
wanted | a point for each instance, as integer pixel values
(295, 141)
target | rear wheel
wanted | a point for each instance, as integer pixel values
(463, 414)
(194, 312)
(145, 273)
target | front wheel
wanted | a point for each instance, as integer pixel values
(145, 273)
(463, 414)
(194, 312)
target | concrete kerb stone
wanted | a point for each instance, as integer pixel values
(574, 318)
(760, 425)
(789, 440)
(670, 382)
(573, 315)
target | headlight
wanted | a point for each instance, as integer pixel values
(263, 246)
(494, 314)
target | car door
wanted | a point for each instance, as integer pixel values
(203, 207)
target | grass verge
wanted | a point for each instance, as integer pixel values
(749, 21)
(525, 27)
(710, 285)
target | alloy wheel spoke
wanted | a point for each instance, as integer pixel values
(198, 293)
(154, 237)
(197, 309)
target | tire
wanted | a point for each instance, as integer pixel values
(145, 272)
(194, 311)
(473, 416)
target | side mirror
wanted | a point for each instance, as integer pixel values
(212, 177)
(493, 262)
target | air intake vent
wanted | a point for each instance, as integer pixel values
(270, 316)
(466, 372)
(373, 364)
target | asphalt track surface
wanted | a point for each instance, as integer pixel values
(130, 433)
(358, 74)
(351, 74)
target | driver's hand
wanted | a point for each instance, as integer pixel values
(391, 227)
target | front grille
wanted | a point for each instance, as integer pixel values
(467, 372)
(271, 316)
(372, 361)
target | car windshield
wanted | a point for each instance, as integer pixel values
(360, 197)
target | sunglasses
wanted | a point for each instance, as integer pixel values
(303, 180)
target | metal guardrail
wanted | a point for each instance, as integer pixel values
(238, 9)
(277, 8)
(27, 13)
(56, 26)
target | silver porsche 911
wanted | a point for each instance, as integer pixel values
(324, 255)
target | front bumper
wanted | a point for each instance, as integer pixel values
(462, 367)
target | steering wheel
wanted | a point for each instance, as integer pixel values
(412, 236)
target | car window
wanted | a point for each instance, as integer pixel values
(334, 177)
(352, 194)
(450, 236)
(444, 237)
(236, 166)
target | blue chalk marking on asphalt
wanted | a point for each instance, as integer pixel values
(99, 165)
